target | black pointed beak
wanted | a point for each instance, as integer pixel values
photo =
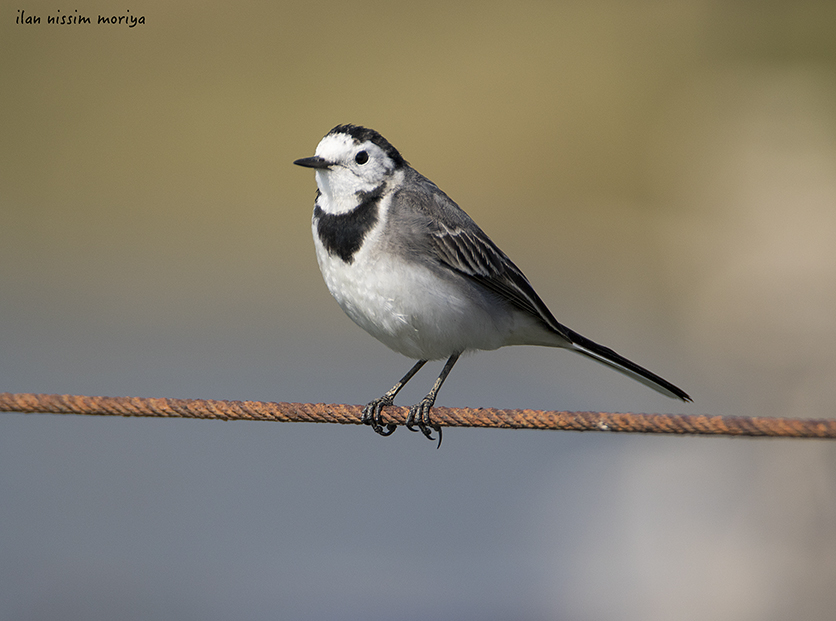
(313, 162)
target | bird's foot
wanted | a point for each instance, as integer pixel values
(419, 414)
(372, 415)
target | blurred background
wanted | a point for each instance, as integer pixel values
(664, 173)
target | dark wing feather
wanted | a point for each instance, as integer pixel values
(476, 256)
(472, 253)
(460, 245)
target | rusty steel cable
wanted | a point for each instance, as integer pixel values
(446, 417)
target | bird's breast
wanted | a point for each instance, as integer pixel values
(410, 307)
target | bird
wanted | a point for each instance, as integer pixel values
(412, 269)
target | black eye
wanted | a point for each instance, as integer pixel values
(361, 158)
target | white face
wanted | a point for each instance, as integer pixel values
(354, 168)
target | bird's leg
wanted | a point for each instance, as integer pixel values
(371, 413)
(421, 410)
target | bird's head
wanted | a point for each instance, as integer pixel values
(352, 159)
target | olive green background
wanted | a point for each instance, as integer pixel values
(664, 173)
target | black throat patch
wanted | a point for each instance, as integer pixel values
(343, 234)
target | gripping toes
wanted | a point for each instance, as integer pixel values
(419, 414)
(372, 416)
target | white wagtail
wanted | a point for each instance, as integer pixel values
(412, 269)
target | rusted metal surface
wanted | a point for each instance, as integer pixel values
(446, 417)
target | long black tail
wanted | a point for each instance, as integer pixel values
(607, 356)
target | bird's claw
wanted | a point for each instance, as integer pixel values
(419, 414)
(372, 416)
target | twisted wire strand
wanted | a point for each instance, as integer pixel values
(446, 417)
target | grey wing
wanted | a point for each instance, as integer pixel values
(469, 251)
(437, 227)
(440, 230)
(473, 254)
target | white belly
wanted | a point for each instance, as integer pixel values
(410, 309)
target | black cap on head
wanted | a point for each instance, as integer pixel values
(363, 134)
